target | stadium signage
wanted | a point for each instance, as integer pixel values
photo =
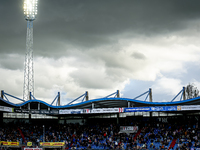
(32, 148)
(164, 108)
(52, 143)
(89, 111)
(70, 111)
(36, 111)
(29, 143)
(7, 109)
(10, 143)
(86, 111)
(188, 107)
(135, 109)
(25, 111)
(130, 129)
(151, 109)
(49, 112)
(105, 110)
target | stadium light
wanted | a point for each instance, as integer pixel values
(30, 12)
(30, 9)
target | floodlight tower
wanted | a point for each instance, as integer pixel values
(30, 12)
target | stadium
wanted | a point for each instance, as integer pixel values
(111, 122)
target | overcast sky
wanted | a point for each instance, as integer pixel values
(101, 46)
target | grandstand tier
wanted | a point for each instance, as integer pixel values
(108, 123)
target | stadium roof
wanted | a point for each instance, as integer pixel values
(99, 103)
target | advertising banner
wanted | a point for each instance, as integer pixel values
(171, 108)
(188, 107)
(21, 111)
(86, 111)
(32, 148)
(128, 129)
(2, 142)
(29, 143)
(10, 143)
(52, 143)
(137, 109)
(7, 109)
(121, 109)
(105, 110)
(36, 111)
(164, 108)
(70, 111)
(49, 112)
(151, 109)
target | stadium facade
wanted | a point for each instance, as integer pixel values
(107, 107)
(113, 110)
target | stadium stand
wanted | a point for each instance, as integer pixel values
(152, 135)
(105, 123)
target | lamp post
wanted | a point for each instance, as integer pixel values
(30, 12)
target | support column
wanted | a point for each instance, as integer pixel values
(43, 133)
(29, 108)
(38, 106)
(150, 95)
(86, 96)
(83, 121)
(150, 100)
(29, 95)
(2, 94)
(184, 97)
(118, 95)
(118, 118)
(58, 98)
(129, 104)
(92, 105)
(29, 117)
(1, 118)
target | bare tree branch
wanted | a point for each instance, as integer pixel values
(191, 91)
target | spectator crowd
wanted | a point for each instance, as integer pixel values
(152, 135)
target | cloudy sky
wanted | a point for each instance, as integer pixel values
(101, 46)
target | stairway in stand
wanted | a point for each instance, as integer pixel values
(139, 131)
(172, 143)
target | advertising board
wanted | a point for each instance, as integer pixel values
(32, 148)
(188, 107)
(52, 143)
(10, 143)
(128, 129)
(151, 109)
(7, 109)
(105, 110)
(34, 111)
(70, 111)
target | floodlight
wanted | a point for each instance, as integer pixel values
(30, 12)
(30, 9)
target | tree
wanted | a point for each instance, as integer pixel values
(191, 91)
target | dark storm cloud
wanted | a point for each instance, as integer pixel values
(100, 45)
(12, 27)
(11, 62)
(66, 25)
(87, 24)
